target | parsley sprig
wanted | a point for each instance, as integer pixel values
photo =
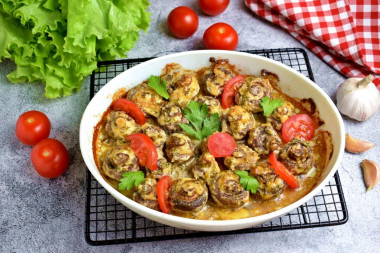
(249, 183)
(131, 178)
(201, 125)
(270, 105)
(159, 85)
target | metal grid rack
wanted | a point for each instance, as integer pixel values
(109, 222)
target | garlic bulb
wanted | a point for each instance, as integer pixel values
(358, 99)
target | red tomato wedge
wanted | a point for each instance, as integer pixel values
(283, 172)
(229, 91)
(163, 187)
(221, 144)
(300, 125)
(144, 149)
(131, 109)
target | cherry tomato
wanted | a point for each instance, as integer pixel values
(163, 187)
(183, 22)
(300, 125)
(32, 127)
(220, 36)
(283, 172)
(230, 90)
(144, 149)
(221, 144)
(213, 7)
(131, 109)
(50, 158)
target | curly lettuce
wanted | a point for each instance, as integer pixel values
(59, 42)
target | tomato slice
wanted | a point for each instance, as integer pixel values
(144, 149)
(163, 187)
(283, 172)
(221, 144)
(131, 109)
(300, 125)
(229, 91)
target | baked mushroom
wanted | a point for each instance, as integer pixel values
(119, 124)
(280, 115)
(243, 158)
(163, 168)
(157, 134)
(238, 122)
(170, 117)
(297, 156)
(227, 191)
(264, 139)
(270, 185)
(213, 104)
(147, 99)
(182, 85)
(217, 76)
(188, 195)
(119, 159)
(251, 91)
(179, 148)
(206, 167)
(146, 194)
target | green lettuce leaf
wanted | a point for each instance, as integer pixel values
(59, 42)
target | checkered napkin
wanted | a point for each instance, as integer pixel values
(343, 33)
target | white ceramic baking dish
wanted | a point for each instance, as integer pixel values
(291, 82)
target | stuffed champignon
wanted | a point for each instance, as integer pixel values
(120, 159)
(188, 195)
(164, 168)
(270, 185)
(170, 117)
(179, 148)
(264, 139)
(119, 124)
(238, 122)
(227, 191)
(147, 99)
(206, 167)
(146, 194)
(297, 156)
(243, 158)
(217, 76)
(157, 134)
(182, 85)
(251, 91)
(280, 115)
(213, 104)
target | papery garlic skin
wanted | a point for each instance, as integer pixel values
(356, 146)
(371, 173)
(358, 98)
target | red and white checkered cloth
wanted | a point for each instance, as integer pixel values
(343, 33)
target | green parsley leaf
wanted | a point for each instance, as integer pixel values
(130, 178)
(200, 125)
(249, 183)
(269, 105)
(159, 86)
(211, 125)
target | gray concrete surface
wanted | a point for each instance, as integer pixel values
(40, 215)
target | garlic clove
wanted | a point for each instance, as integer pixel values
(357, 146)
(371, 171)
(358, 98)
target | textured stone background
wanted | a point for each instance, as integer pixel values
(40, 215)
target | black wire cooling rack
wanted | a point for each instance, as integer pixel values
(109, 222)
